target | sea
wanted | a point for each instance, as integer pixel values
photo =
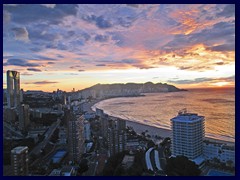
(156, 109)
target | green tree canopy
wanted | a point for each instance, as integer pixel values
(181, 166)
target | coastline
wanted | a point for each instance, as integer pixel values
(152, 130)
(139, 128)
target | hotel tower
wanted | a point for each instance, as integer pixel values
(188, 134)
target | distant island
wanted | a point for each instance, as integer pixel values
(102, 91)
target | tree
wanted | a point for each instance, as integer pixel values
(229, 163)
(112, 164)
(150, 144)
(83, 166)
(181, 166)
(119, 171)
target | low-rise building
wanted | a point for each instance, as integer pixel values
(223, 152)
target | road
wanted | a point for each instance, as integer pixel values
(37, 149)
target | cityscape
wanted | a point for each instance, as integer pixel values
(118, 90)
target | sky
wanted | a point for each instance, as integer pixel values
(56, 46)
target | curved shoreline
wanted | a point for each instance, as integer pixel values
(153, 130)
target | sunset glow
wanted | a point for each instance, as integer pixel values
(77, 46)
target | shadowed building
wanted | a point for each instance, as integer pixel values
(75, 137)
(24, 120)
(116, 136)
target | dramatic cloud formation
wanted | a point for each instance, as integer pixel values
(104, 42)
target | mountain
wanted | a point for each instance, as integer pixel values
(124, 90)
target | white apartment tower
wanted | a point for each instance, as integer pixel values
(188, 134)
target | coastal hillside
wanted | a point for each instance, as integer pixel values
(123, 90)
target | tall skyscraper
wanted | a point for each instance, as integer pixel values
(24, 120)
(116, 136)
(188, 134)
(13, 89)
(21, 95)
(76, 138)
(19, 161)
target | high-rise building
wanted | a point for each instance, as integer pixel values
(24, 120)
(64, 98)
(21, 95)
(75, 138)
(87, 130)
(13, 89)
(188, 134)
(19, 161)
(104, 118)
(116, 136)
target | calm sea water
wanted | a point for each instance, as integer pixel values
(156, 109)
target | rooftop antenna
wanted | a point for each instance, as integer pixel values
(182, 111)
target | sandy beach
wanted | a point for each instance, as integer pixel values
(151, 130)
(139, 128)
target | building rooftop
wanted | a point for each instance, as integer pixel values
(184, 116)
(19, 149)
(58, 156)
(127, 161)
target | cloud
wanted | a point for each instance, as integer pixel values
(19, 62)
(228, 11)
(34, 13)
(194, 81)
(40, 57)
(219, 63)
(219, 32)
(196, 67)
(143, 66)
(60, 56)
(48, 38)
(93, 37)
(35, 49)
(100, 64)
(223, 47)
(7, 57)
(45, 82)
(230, 78)
(129, 61)
(74, 67)
(100, 22)
(34, 69)
(101, 38)
(200, 80)
(21, 34)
